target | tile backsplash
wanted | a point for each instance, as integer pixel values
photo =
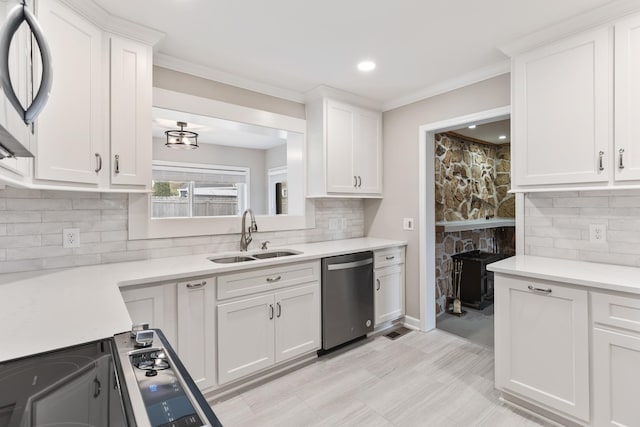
(557, 225)
(31, 224)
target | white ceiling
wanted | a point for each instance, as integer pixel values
(297, 45)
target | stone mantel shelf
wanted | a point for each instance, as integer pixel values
(476, 224)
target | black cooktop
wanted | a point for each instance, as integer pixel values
(69, 385)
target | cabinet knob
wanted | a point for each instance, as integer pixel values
(621, 158)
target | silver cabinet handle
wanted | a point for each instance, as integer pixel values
(378, 282)
(116, 167)
(389, 258)
(621, 158)
(16, 16)
(359, 181)
(600, 160)
(98, 162)
(273, 279)
(279, 309)
(355, 181)
(196, 285)
(546, 291)
(270, 311)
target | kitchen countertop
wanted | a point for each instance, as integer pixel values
(590, 274)
(45, 310)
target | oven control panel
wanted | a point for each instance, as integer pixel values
(153, 370)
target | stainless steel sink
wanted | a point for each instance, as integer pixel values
(232, 259)
(274, 254)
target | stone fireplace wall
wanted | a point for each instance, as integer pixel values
(472, 179)
(471, 182)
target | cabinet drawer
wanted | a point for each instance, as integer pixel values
(391, 256)
(614, 310)
(259, 280)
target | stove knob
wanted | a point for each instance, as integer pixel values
(151, 373)
(137, 327)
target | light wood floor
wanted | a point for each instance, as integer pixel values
(420, 379)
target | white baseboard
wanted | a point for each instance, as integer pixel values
(412, 323)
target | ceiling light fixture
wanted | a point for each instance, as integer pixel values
(367, 66)
(472, 127)
(502, 137)
(181, 138)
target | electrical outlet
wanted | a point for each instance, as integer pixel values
(407, 223)
(597, 233)
(71, 238)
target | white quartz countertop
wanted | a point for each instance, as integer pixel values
(45, 310)
(594, 275)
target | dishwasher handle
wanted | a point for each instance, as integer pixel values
(346, 265)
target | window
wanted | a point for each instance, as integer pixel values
(190, 190)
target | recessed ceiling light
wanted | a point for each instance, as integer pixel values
(366, 66)
(502, 137)
(472, 127)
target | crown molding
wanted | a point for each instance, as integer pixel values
(597, 17)
(175, 64)
(324, 91)
(114, 24)
(484, 73)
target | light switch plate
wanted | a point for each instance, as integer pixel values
(407, 223)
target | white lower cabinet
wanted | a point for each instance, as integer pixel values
(542, 344)
(257, 332)
(154, 304)
(616, 359)
(196, 329)
(389, 285)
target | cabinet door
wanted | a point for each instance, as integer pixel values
(542, 343)
(297, 321)
(155, 305)
(627, 99)
(367, 151)
(389, 295)
(245, 337)
(616, 367)
(69, 130)
(561, 112)
(340, 123)
(130, 112)
(196, 329)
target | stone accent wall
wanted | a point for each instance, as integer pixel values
(31, 224)
(472, 180)
(495, 240)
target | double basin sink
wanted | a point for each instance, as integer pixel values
(253, 257)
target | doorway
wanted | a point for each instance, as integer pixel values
(427, 238)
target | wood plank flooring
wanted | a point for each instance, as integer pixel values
(420, 379)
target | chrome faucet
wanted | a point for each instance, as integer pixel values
(245, 237)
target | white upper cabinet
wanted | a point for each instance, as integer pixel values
(561, 112)
(627, 99)
(344, 150)
(131, 75)
(70, 133)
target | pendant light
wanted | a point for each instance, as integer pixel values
(181, 138)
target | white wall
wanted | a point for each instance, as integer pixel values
(383, 218)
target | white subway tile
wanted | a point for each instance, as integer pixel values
(623, 236)
(578, 202)
(36, 252)
(135, 245)
(14, 193)
(12, 217)
(97, 248)
(99, 203)
(112, 236)
(624, 201)
(22, 265)
(609, 258)
(38, 204)
(71, 215)
(124, 256)
(71, 261)
(109, 225)
(542, 242)
(553, 252)
(37, 228)
(20, 241)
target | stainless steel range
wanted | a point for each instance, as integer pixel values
(128, 380)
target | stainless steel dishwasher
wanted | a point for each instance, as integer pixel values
(347, 298)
